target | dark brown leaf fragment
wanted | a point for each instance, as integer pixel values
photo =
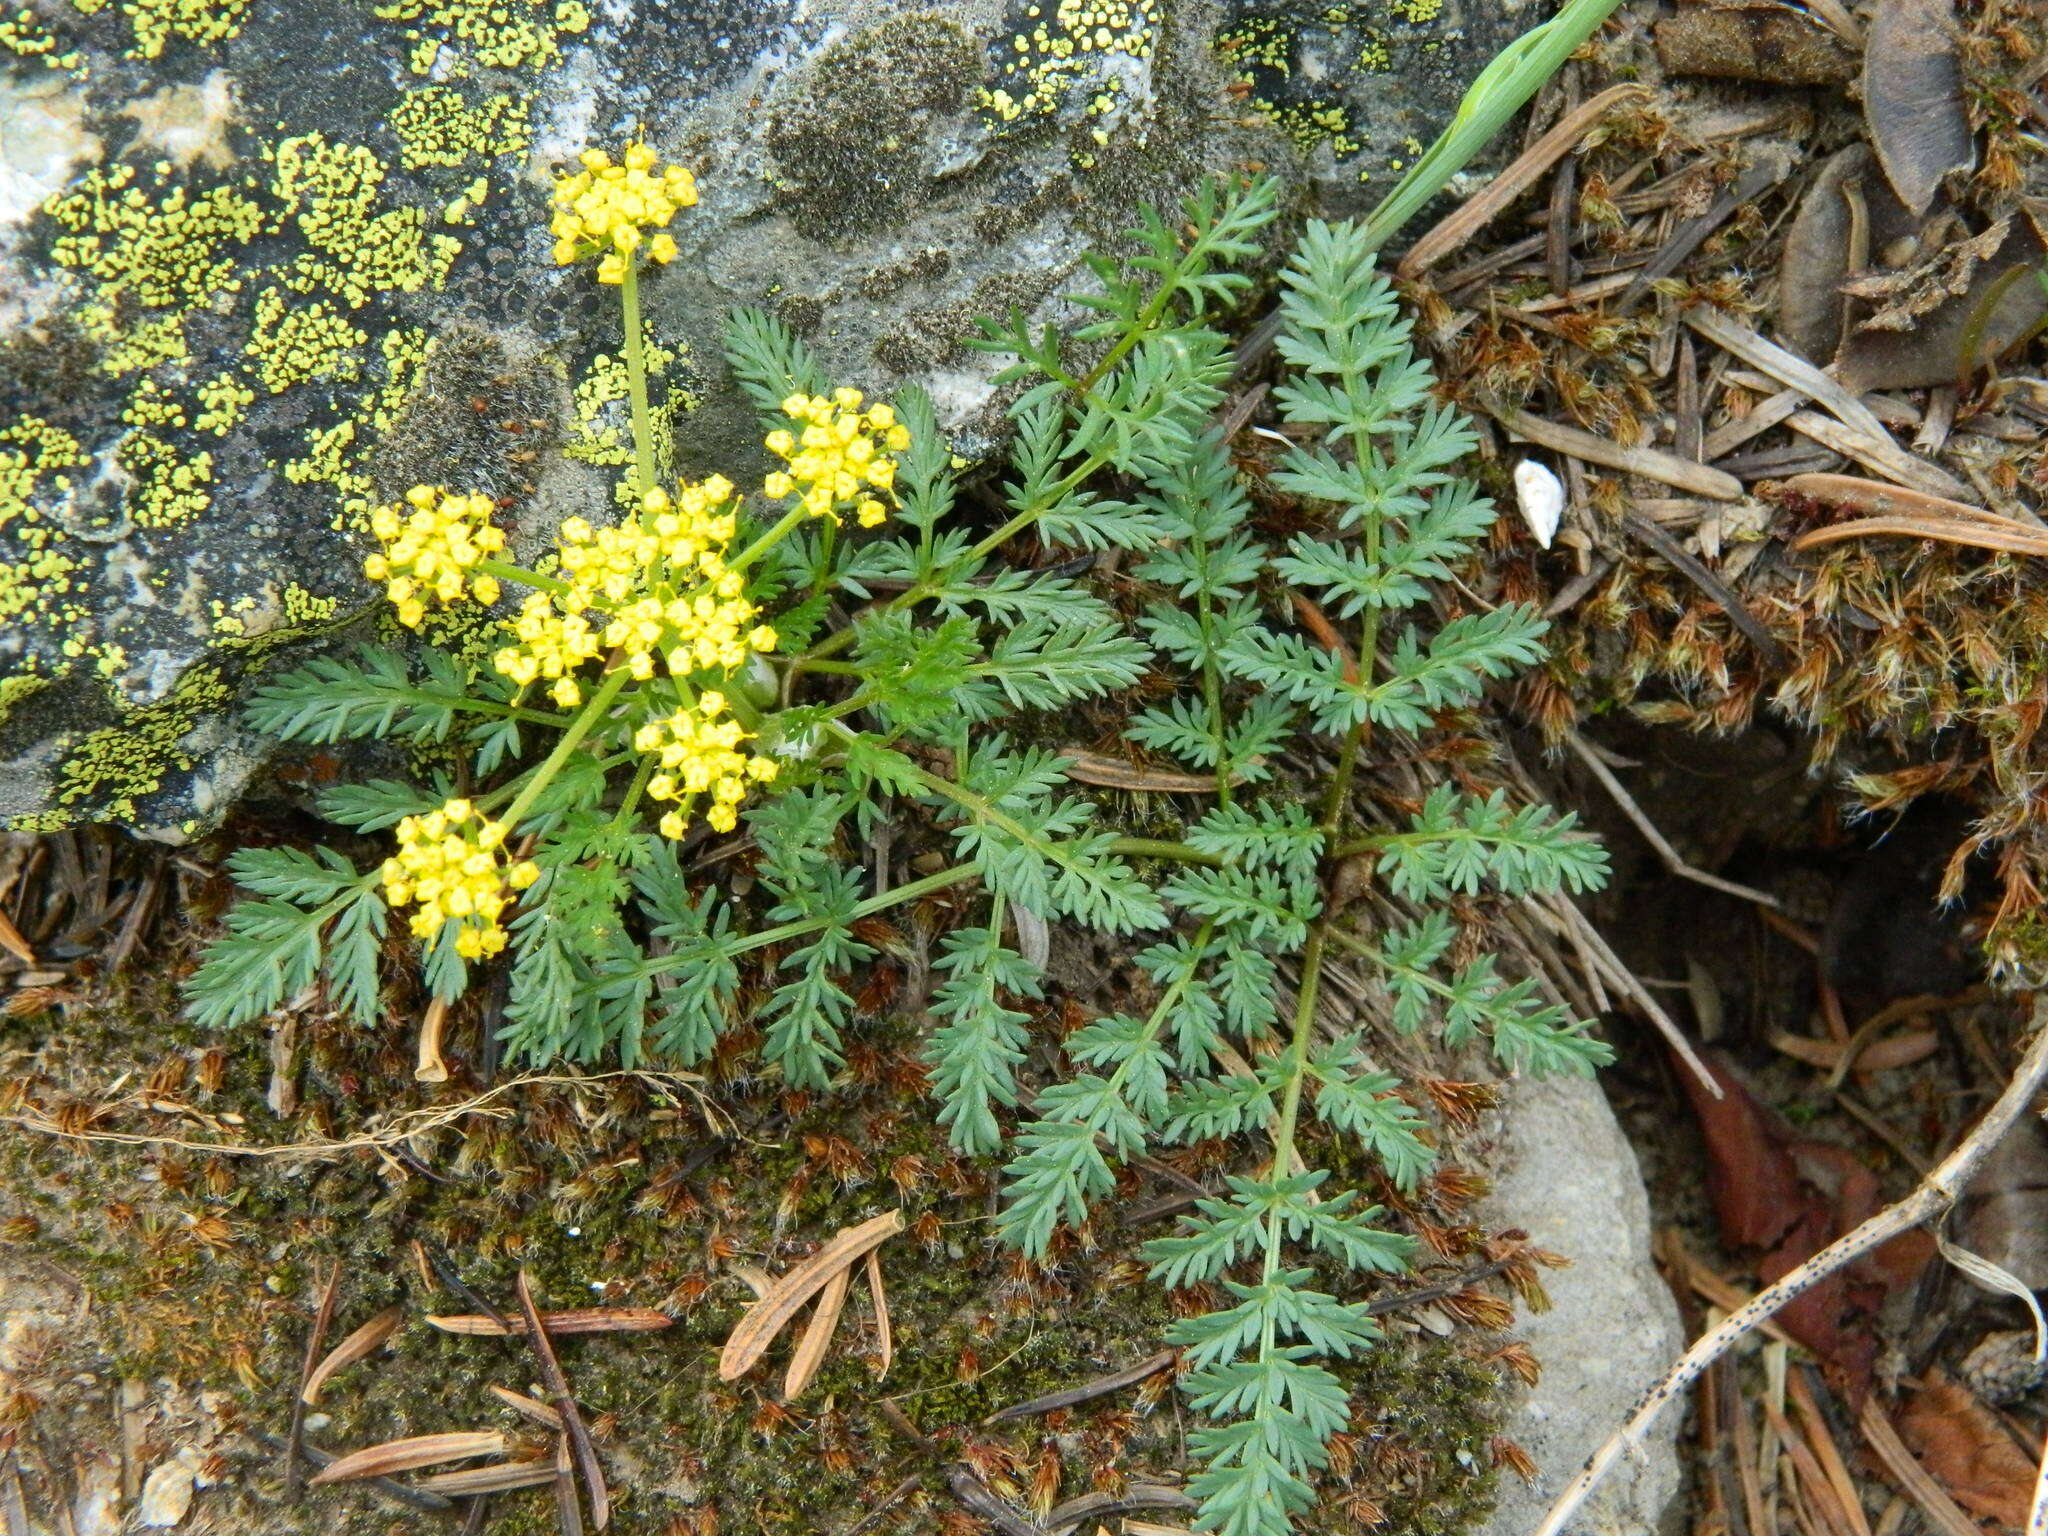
(1913, 97)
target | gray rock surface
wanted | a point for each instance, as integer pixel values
(1569, 1179)
(339, 208)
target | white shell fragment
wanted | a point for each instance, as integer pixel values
(1541, 497)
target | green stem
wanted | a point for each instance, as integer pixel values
(1156, 848)
(825, 546)
(861, 909)
(1368, 665)
(505, 570)
(768, 540)
(636, 380)
(1290, 1101)
(572, 738)
(839, 639)
(1212, 687)
(634, 790)
(493, 708)
(1430, 984)
(1149, 317)
(1168, 1000)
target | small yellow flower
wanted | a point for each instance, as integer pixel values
(697, 754)
(447, 863)
(655, 588)
(609, 209)
(838, 456)
(430, 546)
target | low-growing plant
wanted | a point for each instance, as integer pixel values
(772, 676)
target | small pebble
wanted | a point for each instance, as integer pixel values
(166, 1497)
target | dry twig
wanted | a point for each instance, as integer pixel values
(1656, 839)
(295, 1436)
(1650, 463)
(1473, 215)
(403, 1127)
(575, 1436)
(1936, 1193)
(1101, 1386)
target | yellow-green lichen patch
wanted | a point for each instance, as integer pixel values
(30, 449)
(115, 767)
(18, 686)
(1061, 49)
(455, 36)
(437, 126)
(292, 344)
(170, 487)
(223, 400)
(331, 189)
(156, 22)
(176, 250)
(39, 581)
(601, 432)
(44, 584)
(1301, 73)
(26, 37)
(302, 607)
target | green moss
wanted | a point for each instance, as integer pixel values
(841, 149)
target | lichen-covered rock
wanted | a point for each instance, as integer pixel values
(265, 264)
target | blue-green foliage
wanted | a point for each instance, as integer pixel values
(927, 641)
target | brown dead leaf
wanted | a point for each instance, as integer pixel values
(1970, 301)
(1962, 1443)
(1750, 1175)
(885, 1335)
(1114, 773)
(361, 1344)
(561, 1324)
(810, 1349)
(1761, 1201)
(771, 1314)
(1848, 213)
(403, 1455)
(1760, 40)
(1913, 97)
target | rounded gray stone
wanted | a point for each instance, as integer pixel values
(1569, 1178)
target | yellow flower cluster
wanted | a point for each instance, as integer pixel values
(429, 551)
(447, 862)
(609, 208)
(660, 587)
(698, 755)
(838, 456)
